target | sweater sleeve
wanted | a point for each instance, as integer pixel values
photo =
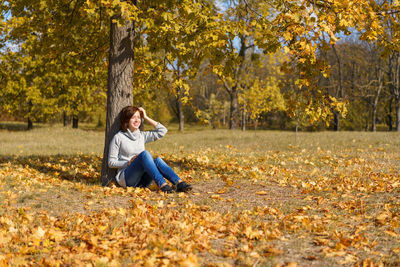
(113, 154)
(159, 131)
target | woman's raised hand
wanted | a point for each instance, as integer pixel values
(143, 112)
(151, 121)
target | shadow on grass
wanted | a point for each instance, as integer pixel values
(14, 126)
(76, 168)
(23, 126)
(86, 168)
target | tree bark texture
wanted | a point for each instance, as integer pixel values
(397, 105)
(119, 88)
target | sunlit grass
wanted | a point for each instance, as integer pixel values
(51, 140)
(56, 139)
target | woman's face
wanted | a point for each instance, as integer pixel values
(134, 122)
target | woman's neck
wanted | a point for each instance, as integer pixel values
(133, 129)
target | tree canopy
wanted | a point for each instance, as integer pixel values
(58, 49)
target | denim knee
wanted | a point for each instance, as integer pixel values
(158, 160)
(145, 154)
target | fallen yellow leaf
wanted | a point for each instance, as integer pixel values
(216, 197)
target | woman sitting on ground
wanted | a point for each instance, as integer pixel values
(136, 166)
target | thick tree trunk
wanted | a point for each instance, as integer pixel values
(75, 120)
(119, 89)
(397, 106)
(30, 124)
(233, 116)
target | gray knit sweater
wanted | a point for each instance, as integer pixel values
(126, 145)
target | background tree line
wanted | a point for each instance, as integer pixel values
(245, 63)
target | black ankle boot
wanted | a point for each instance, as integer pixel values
(183, 187)
(167, 189)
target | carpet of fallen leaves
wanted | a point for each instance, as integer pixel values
(294, 208)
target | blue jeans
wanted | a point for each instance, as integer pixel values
(144, 169)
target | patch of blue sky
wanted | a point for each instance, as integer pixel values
(8, 44)
(222, 5)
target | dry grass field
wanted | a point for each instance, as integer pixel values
(264, 198)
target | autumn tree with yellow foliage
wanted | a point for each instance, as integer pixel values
(61, 50)
(173, 49)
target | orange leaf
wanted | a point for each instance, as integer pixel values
(272, 251)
